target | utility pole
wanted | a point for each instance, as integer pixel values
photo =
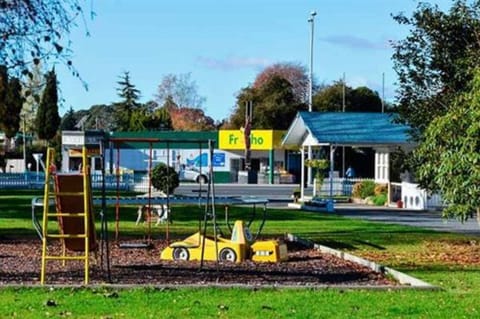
(311, 20)
(343, 110)
(246, 133)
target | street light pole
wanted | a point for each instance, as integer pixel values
(311, 20)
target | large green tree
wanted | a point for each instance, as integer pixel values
(274, 105)
(128, 104)
(160, 120)
(435, 60)
(331, 98)
(294, 73)
(11, 101)
(97, 117)
(3, 93)
(48, 119)
(339, 97)
(14, 102)
(69, 121)
(448, 159)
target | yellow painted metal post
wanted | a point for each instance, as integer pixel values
(46, 207)
(86, 205)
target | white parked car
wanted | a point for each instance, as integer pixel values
(193, 174)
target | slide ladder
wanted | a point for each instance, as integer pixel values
(73, 211)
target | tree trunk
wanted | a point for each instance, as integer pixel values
(7, 144)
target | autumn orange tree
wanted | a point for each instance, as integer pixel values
(190, 119)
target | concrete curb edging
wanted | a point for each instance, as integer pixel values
(402, 278)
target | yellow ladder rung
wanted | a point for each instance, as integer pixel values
(69, 194)
(66, 257)
(66, 215)
(68, 236)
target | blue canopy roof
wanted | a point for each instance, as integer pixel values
(349, 128)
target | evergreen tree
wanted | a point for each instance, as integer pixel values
(69, 121)
(14, 102)
(48, 119)
(3, 95)
(128, 105)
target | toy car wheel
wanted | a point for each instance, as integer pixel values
(227, 254)
(181, 253)
(202, 179)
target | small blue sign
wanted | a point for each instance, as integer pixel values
(218, 160)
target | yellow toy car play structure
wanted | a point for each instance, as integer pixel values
(237, 249)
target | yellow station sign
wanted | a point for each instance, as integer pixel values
(77, 152)
(259, 139)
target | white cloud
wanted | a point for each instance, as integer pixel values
(231, 63)
(357, 42)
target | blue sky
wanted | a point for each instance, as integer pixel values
(225, 44)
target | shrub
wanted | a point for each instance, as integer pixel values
(356, 190)
(380, 189)
(164, 178)
(367, 189)
(319, 165)
(380, 200)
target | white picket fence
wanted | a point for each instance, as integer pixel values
(416, 198)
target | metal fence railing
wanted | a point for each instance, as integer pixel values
(337, 186)
(34, 180)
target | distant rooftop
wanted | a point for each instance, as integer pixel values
(346, 128)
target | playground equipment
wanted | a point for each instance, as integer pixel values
(70, 194)
(242, 244)
(73, 202)
(240, 247)
(148, 202)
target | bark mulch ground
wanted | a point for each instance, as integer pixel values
(20, 263)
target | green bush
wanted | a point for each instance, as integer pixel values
(380, 200)
(367, 189)
(164, 178)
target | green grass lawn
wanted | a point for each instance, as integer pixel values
(451, 262)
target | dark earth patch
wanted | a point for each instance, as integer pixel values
(20, 263)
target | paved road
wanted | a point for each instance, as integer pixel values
(425, 219)
(280, 196)
(278, 192)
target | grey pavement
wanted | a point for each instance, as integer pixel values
(425, 219)
(280, 196)
(416, 218)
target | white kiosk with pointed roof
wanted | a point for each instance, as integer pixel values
(334, 129)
